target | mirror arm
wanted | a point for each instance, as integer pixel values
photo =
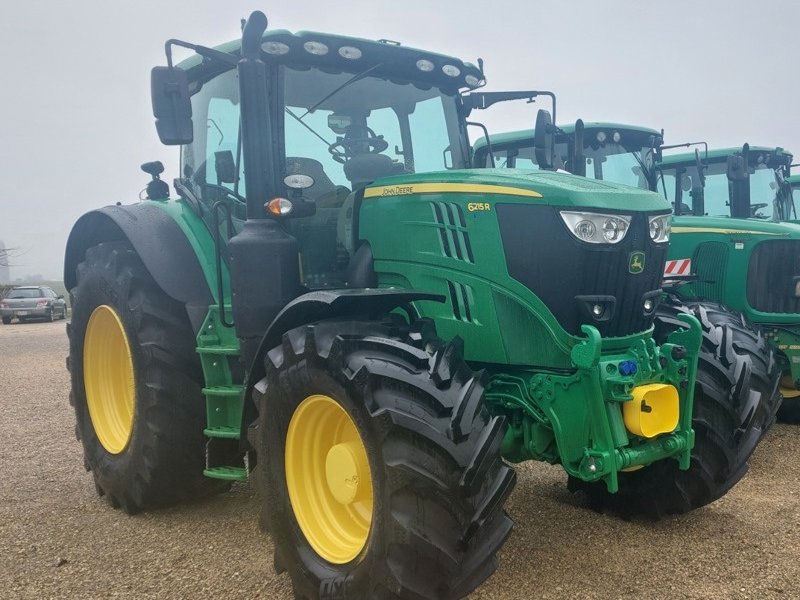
(210, 53)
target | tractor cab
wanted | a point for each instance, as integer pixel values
(605, 151)
(746, 182)
(344, 113)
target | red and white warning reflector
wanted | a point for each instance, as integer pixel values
(681, 266)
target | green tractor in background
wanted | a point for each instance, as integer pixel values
(338, 307)
(709, 260)
(733, 233)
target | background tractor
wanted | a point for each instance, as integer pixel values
(735, 236)
(338, 306)
(737, 373)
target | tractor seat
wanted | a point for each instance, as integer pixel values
(299, 165)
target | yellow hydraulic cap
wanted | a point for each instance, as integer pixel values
(653, 410)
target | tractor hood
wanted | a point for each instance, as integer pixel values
(546, 187)
(735, 227)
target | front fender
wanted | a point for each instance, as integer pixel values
(316, 306)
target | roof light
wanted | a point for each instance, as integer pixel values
(425, 65)
(276, 48)
(451, 70)
(350, 52)
(280, 207)
(472, 81)
(316, 48)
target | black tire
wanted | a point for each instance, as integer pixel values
(50, 318)
(6, 320)
(439, 483)
(736, 398)
(789, 411)
(164, 459)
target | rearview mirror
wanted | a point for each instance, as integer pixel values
(225, 166)
(172, 107)
(543, 139)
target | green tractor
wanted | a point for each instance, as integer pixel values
(733, 233)
(338, 307)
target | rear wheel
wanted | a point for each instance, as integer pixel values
(50, 315)
(736, 398)
(6, 320)
(135, 384)
(383, 477)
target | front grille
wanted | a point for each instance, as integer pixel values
(544, 256)
(770, 277)
(710, 261)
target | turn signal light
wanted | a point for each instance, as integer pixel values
(280, 207)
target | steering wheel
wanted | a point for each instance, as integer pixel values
(345, 148)
(756, 207)
(221, 189)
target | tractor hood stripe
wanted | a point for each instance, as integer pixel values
(443, 188)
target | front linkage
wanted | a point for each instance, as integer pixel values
(617, 412)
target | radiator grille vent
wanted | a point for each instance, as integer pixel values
(453, 231)
(770, 277)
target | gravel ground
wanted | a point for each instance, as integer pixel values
(59, 540)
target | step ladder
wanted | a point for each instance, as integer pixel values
(218, 346)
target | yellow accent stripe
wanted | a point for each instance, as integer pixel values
(445, 188)
(719, 230)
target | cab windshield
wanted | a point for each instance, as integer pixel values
(764, 189)
(340, 129)
(627, 161)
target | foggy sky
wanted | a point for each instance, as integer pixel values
(77, 123)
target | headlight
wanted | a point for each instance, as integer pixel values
(596, 228)
(659, 228)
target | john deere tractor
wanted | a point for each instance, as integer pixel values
(335, 305)
(736, 240)
(738, 372)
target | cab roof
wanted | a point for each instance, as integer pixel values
(382, 57)
(512, 137)
(718, 154)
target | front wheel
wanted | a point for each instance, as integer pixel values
(735, 401)
(382, 469)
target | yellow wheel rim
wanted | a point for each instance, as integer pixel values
(329, 479)
(108, 379)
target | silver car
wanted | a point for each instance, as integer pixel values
(32, 302)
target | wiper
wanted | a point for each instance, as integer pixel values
(353, 79)
(306, 125)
